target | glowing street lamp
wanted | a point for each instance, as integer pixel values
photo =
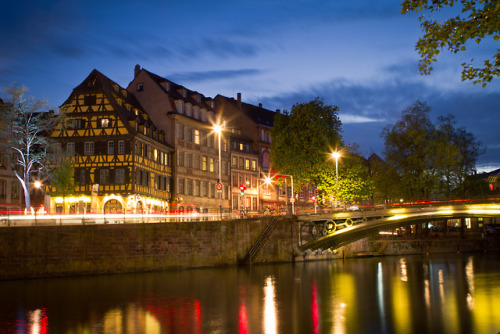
(336, 156)
(218, 129)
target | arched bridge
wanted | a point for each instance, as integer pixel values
(335, 230)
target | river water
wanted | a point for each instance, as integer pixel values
(458, 293)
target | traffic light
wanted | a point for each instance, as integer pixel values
(242, 189)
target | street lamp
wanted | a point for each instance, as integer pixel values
(336, 156)
(218, 129)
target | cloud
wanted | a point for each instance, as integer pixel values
(213, 75)
(347, 118)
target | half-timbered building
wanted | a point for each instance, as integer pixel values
(121, 158)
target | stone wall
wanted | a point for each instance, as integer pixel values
(50, 251)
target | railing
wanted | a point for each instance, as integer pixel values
(260, 241)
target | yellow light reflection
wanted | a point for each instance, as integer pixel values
(397, 217)
(345, 296)
(404, 270)
(270, 320)
(400, 302)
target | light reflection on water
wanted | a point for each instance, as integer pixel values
(436, 294)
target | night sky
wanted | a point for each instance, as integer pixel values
(358, 55)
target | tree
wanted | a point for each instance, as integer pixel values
(355, 183)
(408, 149)
(21, 134)
(479, 20)
(430, 161)
(303, 139)
(62, 179)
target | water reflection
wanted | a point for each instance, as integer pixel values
(454, 294)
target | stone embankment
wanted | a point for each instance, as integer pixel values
(54, 251)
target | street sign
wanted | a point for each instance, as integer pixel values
(219, 186)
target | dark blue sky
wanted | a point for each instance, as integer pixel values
(358, 55)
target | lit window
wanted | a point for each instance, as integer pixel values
(196, 138)
(247, 164)
(211, 164)
(204, 163)
(104, 123)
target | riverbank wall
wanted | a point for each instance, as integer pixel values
(54, 251)
(91, 249)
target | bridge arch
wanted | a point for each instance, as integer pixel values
(364, 228)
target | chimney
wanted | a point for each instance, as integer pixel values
(136, 70)
(260, 105)
(239, 100)
(278, 111)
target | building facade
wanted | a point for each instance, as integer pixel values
(188, 119)
(121, 159)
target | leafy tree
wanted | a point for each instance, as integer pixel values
(21, 134)
(302, 140)
(62, 179)
(408, 149)
(355, 183)
(478, 20)
(386, 181)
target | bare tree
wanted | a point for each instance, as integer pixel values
(23, 128)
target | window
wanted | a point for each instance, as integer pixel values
(189, 110)
(225, 168)
(211, 164)
(105, 123)
(189, 186)
(210, 141)
(241, 165)
(120, 176)
(180, 186)
(254, 164)
(180, 158)
(241, 147)
(180, 131)
(196, 161)
(203, 163)
(104, 176)
(203, 138)
(188, 134)
(180, 107)
(3, 188)
(235, 162)
(140, 87)
(88, 148)
(196, 139)
(196, 112)
(70, 148)
(196, 188)
(81, 177)
(89, 99)
(247, 164)
(155, 154)
(121, 147)
(189, 160)
(111, 147)
(205, 189)
(14, 190)
(265, 160)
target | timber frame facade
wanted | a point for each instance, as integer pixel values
(121, 159)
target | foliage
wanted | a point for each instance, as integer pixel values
(478, 20)
(355, 183)
(386, 182)
(302, 140)
(62, 178)
(21, 135)
(430, 161)
(408, 146)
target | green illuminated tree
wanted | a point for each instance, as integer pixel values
(62, 179)
(478, 20)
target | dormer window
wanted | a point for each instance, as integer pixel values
(189, 110)
(180, 107)
(196, 112)
(140, 87)
(105, 123)
(167, 86)
(184, 92)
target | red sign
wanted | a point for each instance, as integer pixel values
(219, 186)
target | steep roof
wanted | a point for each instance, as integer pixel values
(97, 81)
(257, 114)
(175, 91)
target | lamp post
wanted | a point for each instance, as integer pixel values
(336, 156)
(218, 128)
